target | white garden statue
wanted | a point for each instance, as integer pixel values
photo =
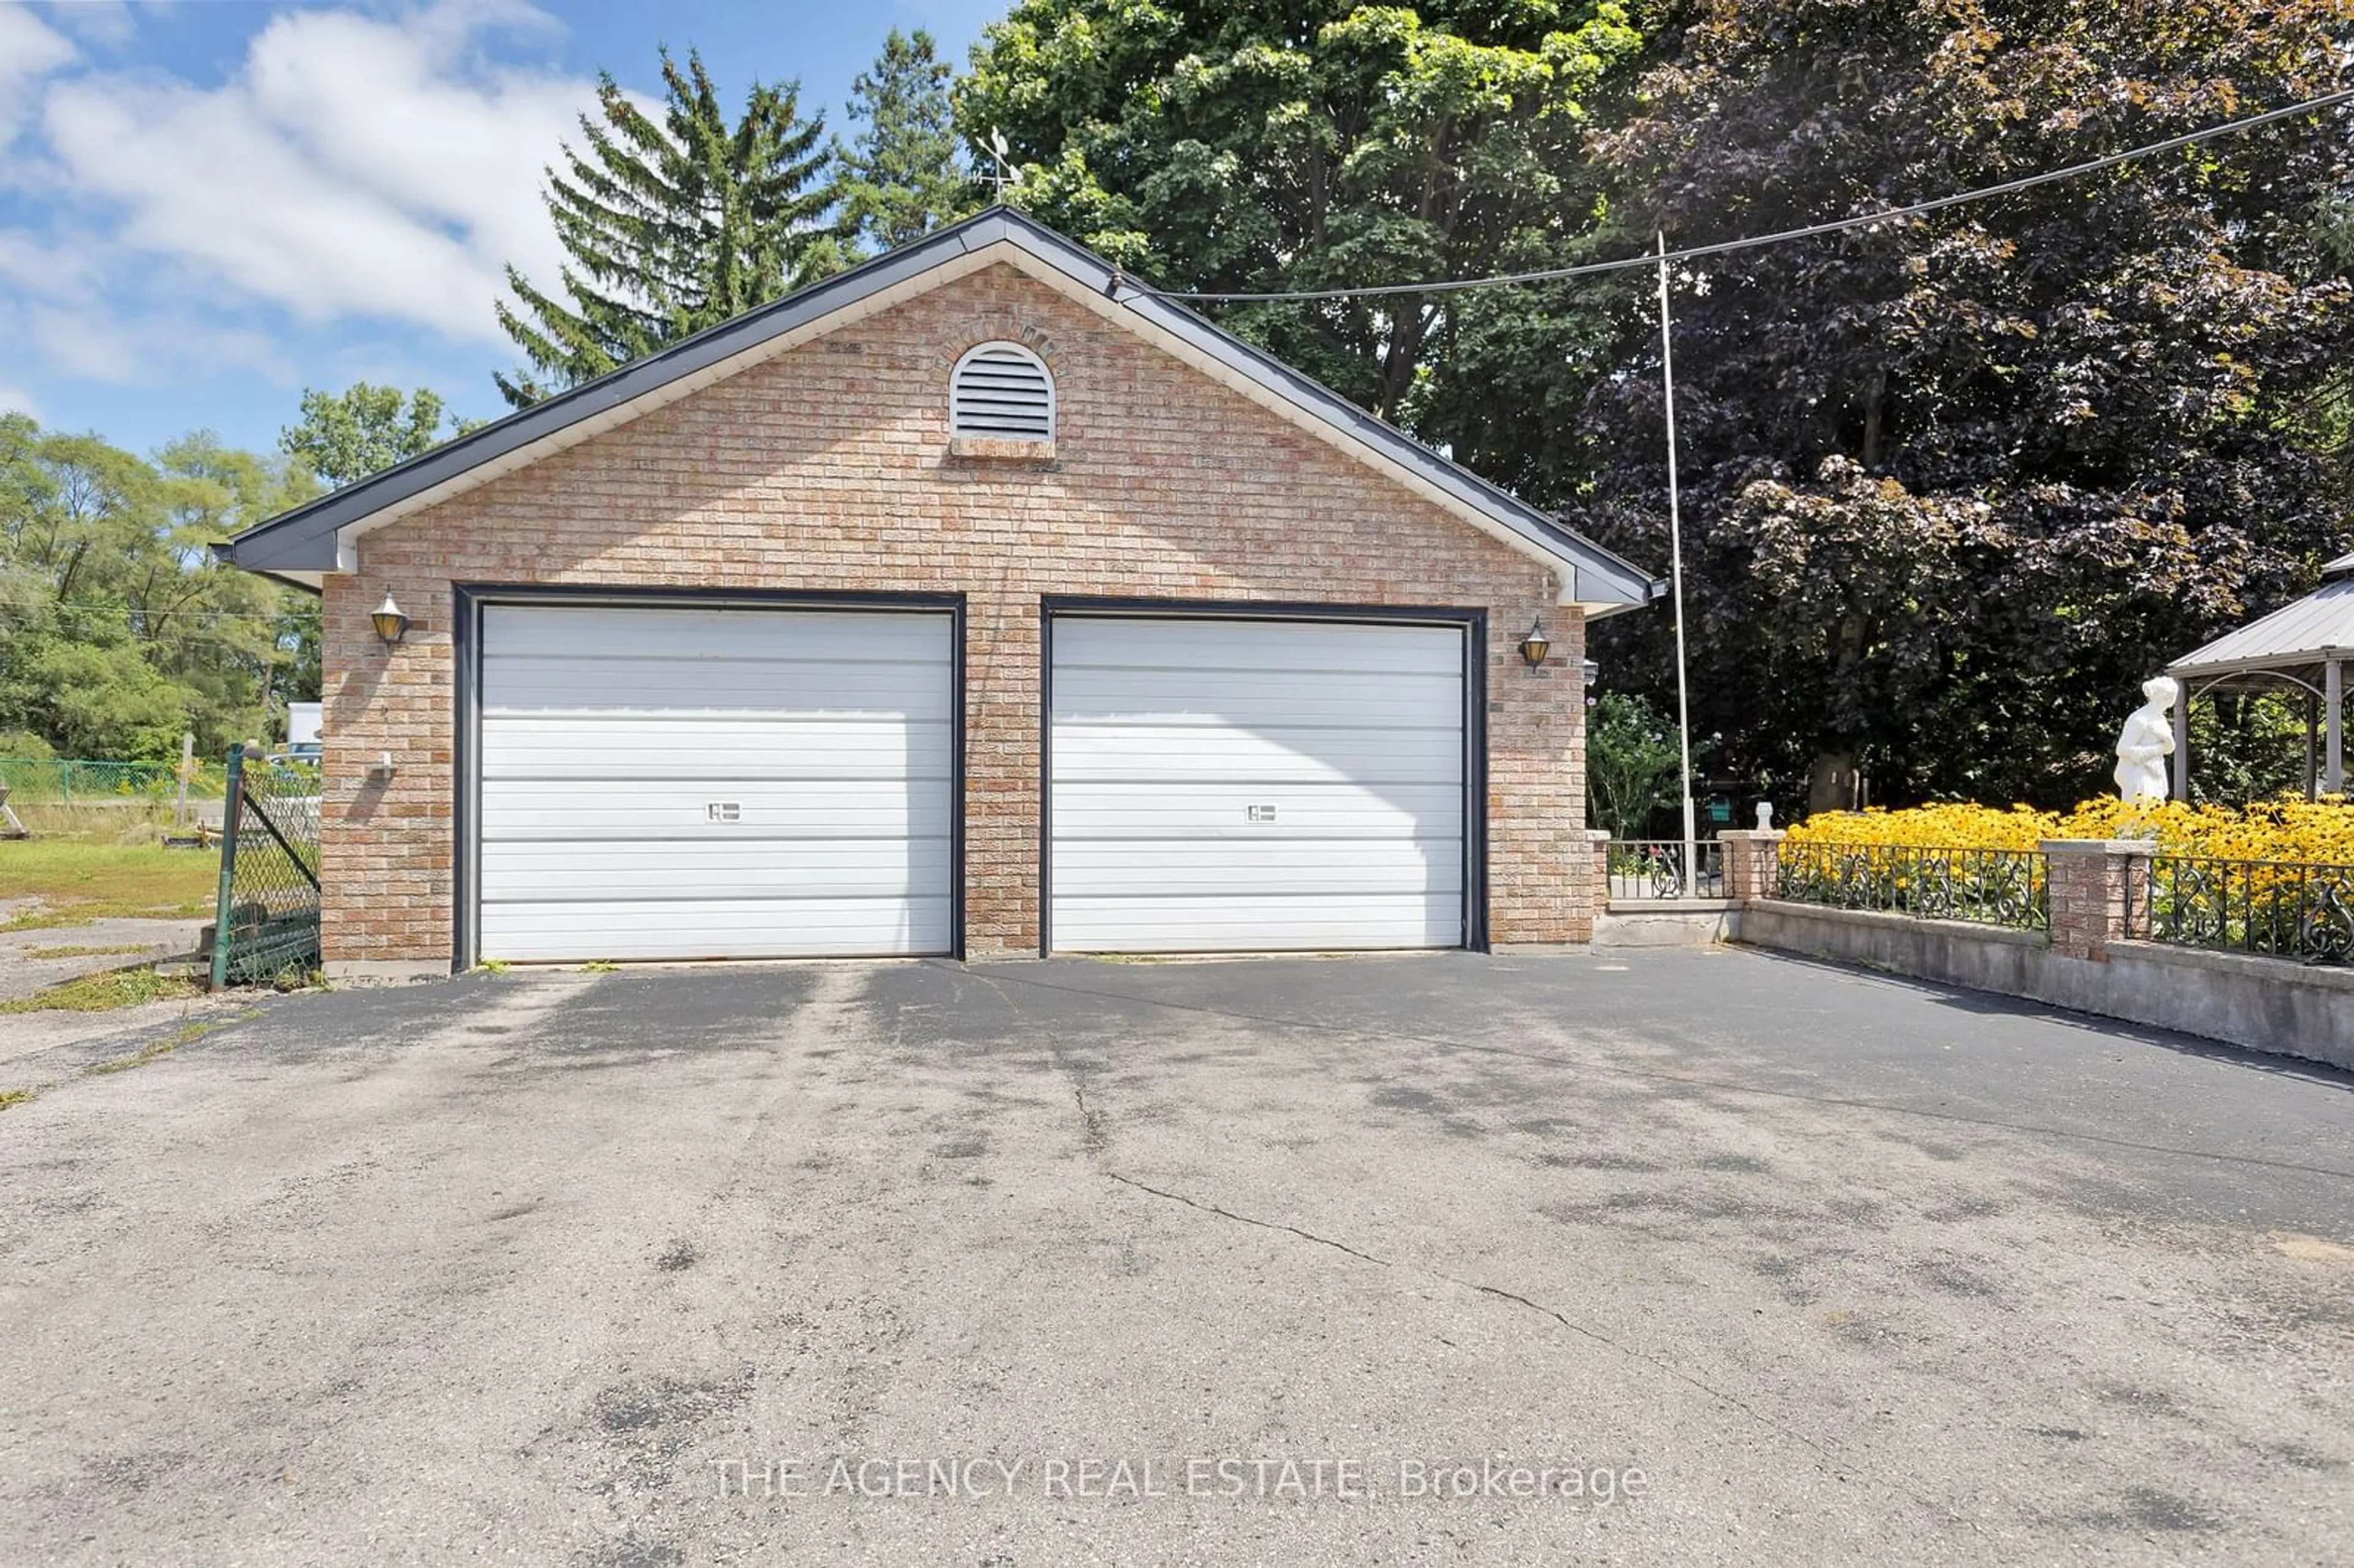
(2147, 742)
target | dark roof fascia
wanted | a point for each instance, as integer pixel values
(305, 538)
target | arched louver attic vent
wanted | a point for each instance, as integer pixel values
(1001, 391)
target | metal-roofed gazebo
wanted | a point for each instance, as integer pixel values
(2305, 646)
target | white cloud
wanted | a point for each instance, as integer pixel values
(29, 51)
(354, 165)
(131, 342)
(105, 22)
(15, 402)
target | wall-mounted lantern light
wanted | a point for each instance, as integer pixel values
(1537, 644)
(391, 624)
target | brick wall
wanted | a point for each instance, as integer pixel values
(2085, 888)
(828, 468)
(1752, 864)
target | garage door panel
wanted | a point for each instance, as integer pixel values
(1247, 784)
(715, 928)
(1134, 810)
(1293, 754)
(1116, 867)
(591, 811)
(1256, 648)
(670, 869)
(1215, 922)
(1085, 696)
(589, 747)
(592, 685)
(689, 783)
(668, 635)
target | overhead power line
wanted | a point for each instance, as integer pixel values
(1719, 248)
(153, 612)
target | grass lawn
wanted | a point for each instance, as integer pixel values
(105, 993)
(78, 881)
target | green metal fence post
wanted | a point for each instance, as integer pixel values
(229, 814)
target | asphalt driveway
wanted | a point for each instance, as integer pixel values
(1659, 1258)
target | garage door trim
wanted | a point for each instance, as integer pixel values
(469, 601)
(1472, 622)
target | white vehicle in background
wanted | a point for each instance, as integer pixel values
(303, 735)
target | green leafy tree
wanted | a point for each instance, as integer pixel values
(117, 628)
(344, 437)
(672, 225)
(2249, 747)
(904, 174)
(341, 439)
(1956, 484)
(95, 693)
(1308, 145)
(1631, 763)
(223, 640)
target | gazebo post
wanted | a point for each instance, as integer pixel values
(2333, 699)
(2312, 747)
(2182, 746)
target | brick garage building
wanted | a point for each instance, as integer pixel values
(970, 602)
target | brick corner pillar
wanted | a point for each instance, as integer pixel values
(1600, 839)
(1753, 863)
(2090, 893)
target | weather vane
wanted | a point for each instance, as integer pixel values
(1005, 174)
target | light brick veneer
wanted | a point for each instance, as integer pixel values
(1753, 862)
(828, 468)
(2087, 892)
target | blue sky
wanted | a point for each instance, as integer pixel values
(207, 205)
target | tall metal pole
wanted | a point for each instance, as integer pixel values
(1676, 570)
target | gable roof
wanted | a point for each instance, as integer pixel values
(311, 541)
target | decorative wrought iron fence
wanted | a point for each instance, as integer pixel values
(1990, 888)
(267, 924)
(1654, 868)
(2281, 909)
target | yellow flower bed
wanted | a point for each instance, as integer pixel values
(2290, 830)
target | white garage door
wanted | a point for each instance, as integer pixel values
(1251, 785)
(714, 783)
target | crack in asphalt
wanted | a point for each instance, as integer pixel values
(1583, 1330)
(1093, 1137)
(1247, 1219)
(1366, 1032)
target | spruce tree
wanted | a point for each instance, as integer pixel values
(671, 226)
(903, 175)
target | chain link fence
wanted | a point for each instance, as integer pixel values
(267, 925)
(113, 802)
(63, 781)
